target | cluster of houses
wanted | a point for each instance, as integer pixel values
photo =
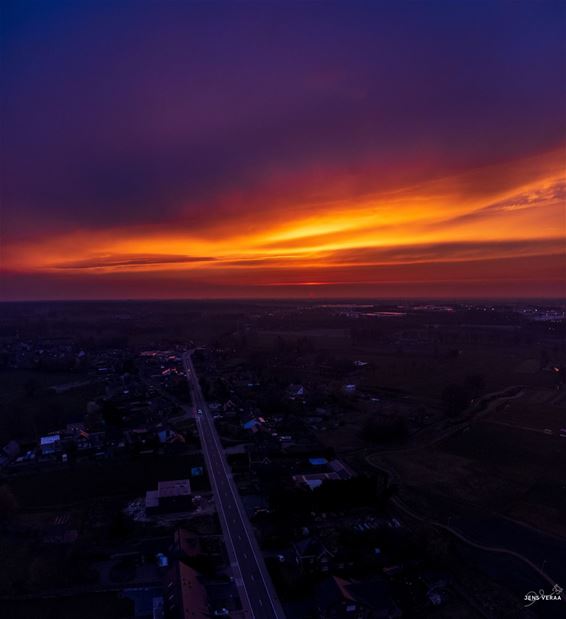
(59, 353)
(76, 442)
(270, 448)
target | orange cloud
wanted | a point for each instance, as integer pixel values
(503, 215)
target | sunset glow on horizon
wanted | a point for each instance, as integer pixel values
(332, 172)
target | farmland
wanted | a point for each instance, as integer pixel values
(501, 468)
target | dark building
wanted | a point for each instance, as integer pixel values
(170, 496)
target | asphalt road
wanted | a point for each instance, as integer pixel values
(257, 593)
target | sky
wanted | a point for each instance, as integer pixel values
(282, 149)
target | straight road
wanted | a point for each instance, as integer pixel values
(257, 593)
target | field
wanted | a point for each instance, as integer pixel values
(348, 435)
(511, 471)
(537, 410)
(427, 375)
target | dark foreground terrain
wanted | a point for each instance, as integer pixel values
(385, 459)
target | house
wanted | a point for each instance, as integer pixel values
(185, 595)
(50, 445)
(295, 391)
(312, 555)
(61, 530)
(170, 497)
(169, 436)
(252, 425)
(340, 469)
(318, 461)
(338, 598)
(11, 450)
(314, 480)
(9, 453)
(229, 406)
(75, 428)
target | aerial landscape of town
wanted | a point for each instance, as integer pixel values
(281, 459)
(282, 309)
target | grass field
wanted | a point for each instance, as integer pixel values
(348, 435)
(511, 471)
(427, 375)
(536, 410)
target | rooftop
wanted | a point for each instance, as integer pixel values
(49, 440)
(179, 487)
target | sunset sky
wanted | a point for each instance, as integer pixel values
(313, 149)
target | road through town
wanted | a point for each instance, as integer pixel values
(258, 595)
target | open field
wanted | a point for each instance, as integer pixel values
(537, 410)
(348, 435)
(509, 449)
(427, 375)
(491, 467)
